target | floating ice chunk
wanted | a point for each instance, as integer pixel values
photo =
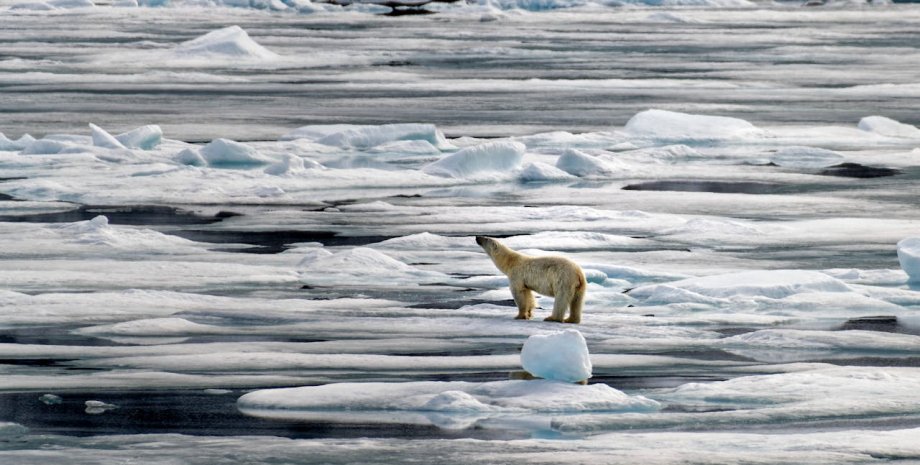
(581, 164)
(228, 153)
(8, 430)
(888, 127)
(125, 3)
(292, 165)
(96, 407)
(669, 125)
(190, 157)
(144, 137)
(7, 144)
(98, 232)
(773, 284)
(50, 399)
(806, 157)
(512, 397)
(541, 172)
(533, 5)
(561, 356)
(499, 157)
(909, 257)
(230, 42)
(101, 138)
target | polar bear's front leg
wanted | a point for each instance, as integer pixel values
(524, 299)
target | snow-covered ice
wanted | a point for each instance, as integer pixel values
(260, 238)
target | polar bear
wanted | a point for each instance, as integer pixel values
(552, 276)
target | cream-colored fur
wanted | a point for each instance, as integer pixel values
(553, 276)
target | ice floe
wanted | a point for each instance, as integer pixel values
(909, 257)
(888, 127)
(674, 126)
(229, 42)
(486, 160)
(507, 397)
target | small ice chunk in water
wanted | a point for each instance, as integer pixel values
(50, 399)
(455, 401)
(491, 157)
(909, 257)
(670, 125)
(562, 356)
(95, 407)
(888, 127)
(806, 157)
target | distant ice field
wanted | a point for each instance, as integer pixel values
(578, 69)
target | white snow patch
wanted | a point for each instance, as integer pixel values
(229, 42)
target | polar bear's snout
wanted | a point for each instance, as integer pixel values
(480, 240)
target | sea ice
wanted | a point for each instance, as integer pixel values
(490, 158)
(367, 137)
(229, 42)
(101, 138)
(359, 265)
(541, 172)
(508, 397)
(806, 157)
(291, 165)
(561, 356)
(909, 257)
(888, 127)
(227, 153)
(7, 144)
(773, 284)
(673, 126)
(144, 138)
(578, 163)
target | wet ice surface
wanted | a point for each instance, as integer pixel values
(318, 296)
